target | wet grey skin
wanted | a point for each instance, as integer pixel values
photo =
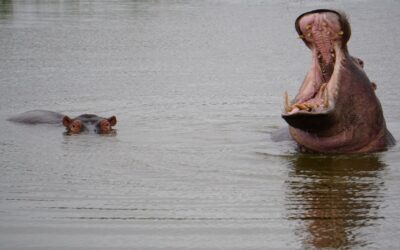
(38, 117)
(336, 109)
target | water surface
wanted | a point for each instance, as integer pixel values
(197, 89)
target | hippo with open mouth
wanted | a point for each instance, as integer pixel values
(336, 109)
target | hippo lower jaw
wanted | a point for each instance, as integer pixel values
(314, 106)
(336, 109)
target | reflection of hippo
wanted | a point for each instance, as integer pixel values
(82, 123)
(336, 109)
(334, 197)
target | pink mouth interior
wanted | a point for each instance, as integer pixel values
(320, 31)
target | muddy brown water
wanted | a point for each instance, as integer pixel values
(197, 87)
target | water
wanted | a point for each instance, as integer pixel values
(197, 89)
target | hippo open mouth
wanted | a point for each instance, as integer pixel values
(336, 109)
(326, 33)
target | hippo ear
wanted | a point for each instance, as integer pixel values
(66, 121)
(112, 120)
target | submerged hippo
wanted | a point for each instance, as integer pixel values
(79, 124)
(336, 109)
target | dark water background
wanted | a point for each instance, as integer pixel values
(197, 89)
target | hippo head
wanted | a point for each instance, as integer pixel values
(89, 123)
(336, 109)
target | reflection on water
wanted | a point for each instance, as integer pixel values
(334, 198)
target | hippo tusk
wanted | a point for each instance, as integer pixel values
(326, 98)
(286, 102)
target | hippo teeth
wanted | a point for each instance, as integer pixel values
(326, 99)
(318, 103)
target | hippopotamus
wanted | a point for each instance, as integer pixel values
(336, 109)
(77, 125)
